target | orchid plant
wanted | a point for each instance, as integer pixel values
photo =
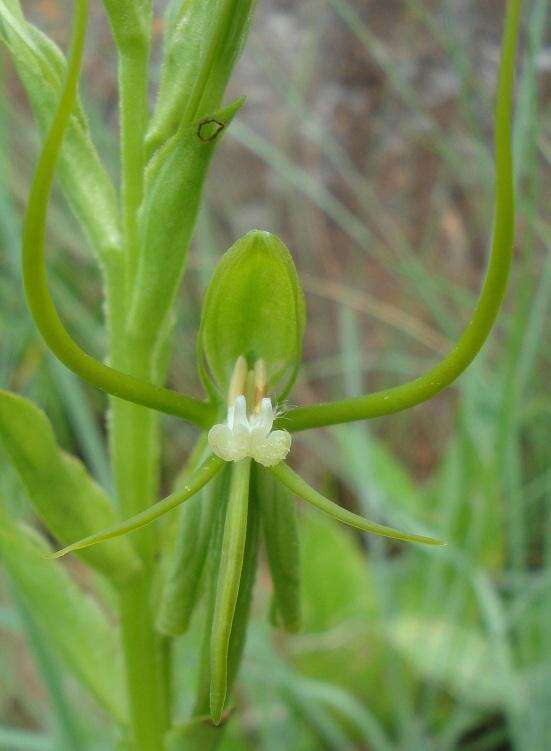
(249, 345)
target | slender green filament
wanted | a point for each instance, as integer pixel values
(372, 405)
(300, 487)
(478, 329)
(35, 277)
(210, 467)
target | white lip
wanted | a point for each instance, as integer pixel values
(243, 435)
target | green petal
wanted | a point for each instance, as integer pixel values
(199, 479)
(227, 589)
(300, 487)
(280, 528)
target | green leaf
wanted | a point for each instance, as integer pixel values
(173, 192)
(67, 729)
(203, 42)
(458, 657)
(86, 185)
(254, 307)
(24, 740)
(25, 41)
(279, 525)
(199, 734)
(63, 495)
(74, 625)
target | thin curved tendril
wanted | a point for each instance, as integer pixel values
(208, 469)
(35, 278)
(477, 331)
(300, 487)
(372, 405)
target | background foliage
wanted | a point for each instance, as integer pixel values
(365, 144)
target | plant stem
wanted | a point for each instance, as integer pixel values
(134, 448)
(133, 78)
(141, 654)
(134, 429)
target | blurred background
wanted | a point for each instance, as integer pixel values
(366, 144)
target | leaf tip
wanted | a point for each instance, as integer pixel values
(434, 542)
(52, 556)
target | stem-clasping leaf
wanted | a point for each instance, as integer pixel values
(70, 620)
(64, 496)
(203, 41)
(41, 67)
(173, 191)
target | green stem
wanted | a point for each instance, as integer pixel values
(142, 660)
(135, 429)
(134, 115)
(478, 329)
(134, 447)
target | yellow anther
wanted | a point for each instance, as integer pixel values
(238, 380)
(260, 384)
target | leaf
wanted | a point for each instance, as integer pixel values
(203, 42)
(199, 734)
(458, 657)
(68, 734)
(337, 585)
(22, 41)
(86, 185)
(74, 625)
(254, 306)
(23, 740)
(173, 192)
(63, 495)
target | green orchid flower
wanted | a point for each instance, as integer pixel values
(249, 350)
